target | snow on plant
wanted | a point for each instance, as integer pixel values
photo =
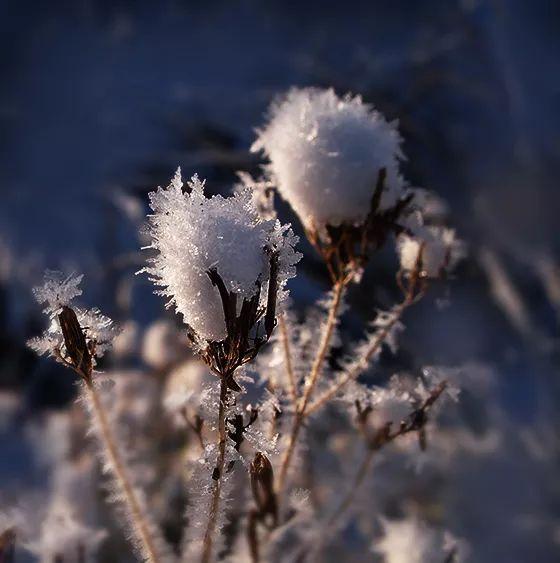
(336, 161)
(326, 154)
(77, 338)
(206, 246)
(271, 439)
(81, 349)
(224, 269)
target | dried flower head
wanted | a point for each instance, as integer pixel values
(221, 266)
(336, 161)
(75, 336)
(435, 249)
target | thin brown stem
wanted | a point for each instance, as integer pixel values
(140, 526)
(415, 422)
(217, 476)
(288, 358)
(311, 381)
(362, 363)
(347, 500)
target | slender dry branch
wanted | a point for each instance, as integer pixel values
(362, 363)
(311, 381)
(288, 358)
(217, 475)
(359, 477)
(415, 422)
(140, 526)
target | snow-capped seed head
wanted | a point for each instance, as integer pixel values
(202, 242)
(326, 154)
(75, 336)
(435, 249)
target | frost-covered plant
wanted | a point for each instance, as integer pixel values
(326, 154)
(268, 446)
(336, 161)
(64, 339)
(222, 267)
(77, 338)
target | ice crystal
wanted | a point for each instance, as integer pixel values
(57, 290)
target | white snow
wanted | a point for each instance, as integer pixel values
(57, 291)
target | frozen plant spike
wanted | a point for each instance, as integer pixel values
(76, 338)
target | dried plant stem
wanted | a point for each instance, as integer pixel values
(217, 476)
(288, 358)
(140, 526)
(415, 422)
(347, 500)
(310, 382)
(362, 363)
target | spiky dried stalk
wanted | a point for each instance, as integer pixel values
(243, 342)
(79, 356)
(284, 335)
(217, 475)
(139, 522)
(413, 291)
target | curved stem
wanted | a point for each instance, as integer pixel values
(354, 488)
(217, 476)
(140, 526)
(288, 358)
(311, 381)
(362, 363)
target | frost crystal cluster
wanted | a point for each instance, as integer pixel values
(193, 234)
(326, 154)
(435, 247)
(58, 291)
